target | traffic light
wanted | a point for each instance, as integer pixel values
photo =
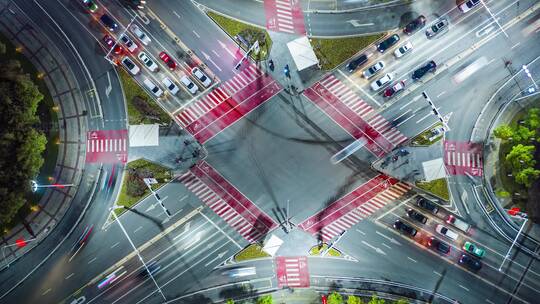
(287, 71)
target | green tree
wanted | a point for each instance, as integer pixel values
(402, 301)
(503, 132)
(532, 121)
(134, 185)
(523, 134)
(230, 301)
(335, 298)
(267, 299)
(375, 300)
(354, 300)
(527, 176)
(521, 157)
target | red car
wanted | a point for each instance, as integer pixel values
(323, 299)
(168, 60)
(110, 42)
(391, 91)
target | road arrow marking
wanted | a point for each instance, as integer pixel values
(210, 59)
(219, 256)
(152, 207)
(355, 23)
(378, 250)
(391, 239)
(224, 46)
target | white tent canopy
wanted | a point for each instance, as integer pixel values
(272, 245)
(302, 53)
(143, 135)
(434, 169)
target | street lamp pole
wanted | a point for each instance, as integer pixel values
(528, 73)
(137, 252)
(507, 256)
(493, 17)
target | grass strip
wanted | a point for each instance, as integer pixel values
(316, 250)
(438, 187)
(253, 251)
(333, 52)
(423, 139)
(234, 27)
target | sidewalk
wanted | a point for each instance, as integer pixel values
(70, 163)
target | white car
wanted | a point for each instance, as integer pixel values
(201, 76)
(381, 82)
(468, 5)
(169, 84)
(149, 63)
(136, 30)
(374, 69)
(402, 50)
(446, 232)
(192, 88)
(130, 45)
(152, 87)
(130, 66)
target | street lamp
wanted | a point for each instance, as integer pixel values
(528, 73)
(515, 213)
(35, 186)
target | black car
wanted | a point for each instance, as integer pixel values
(108, 22)
(135, 4)
(417, 216)
(150, 268)
(427, 204)
(399, 225)
(421, 71)
(438, 245)
(387, 43)
(415, 25)
(470, 262)
(355, 63)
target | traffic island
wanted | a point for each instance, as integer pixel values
(252, 251)
(134, 189)
(140, 107)
(429, 136)
(317, 250)
(437, 187)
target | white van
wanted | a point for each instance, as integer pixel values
(152, 87)
(458, 223)
(446, 232)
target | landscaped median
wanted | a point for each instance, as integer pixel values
(253, 251)
(429, 136)
(437, 187)
(317, 250)
(141, 108)
(133, 187)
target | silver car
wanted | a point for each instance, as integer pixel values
(374, 69)
(382, 82)
(437, 28)
(136, 30)
(149, 63)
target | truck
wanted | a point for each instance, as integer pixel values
(458, 223)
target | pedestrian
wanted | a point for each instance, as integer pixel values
(271, 65)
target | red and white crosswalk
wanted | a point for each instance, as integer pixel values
(284, 16)
(107, 146)
(463, 158)
(353, 114)
(227, 202)
(226, 104)
(292, 272)
(355, 206)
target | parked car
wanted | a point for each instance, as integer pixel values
(427, 204)
(168, 60)
(423, 70)
(136, 30)
(374, 69)
(393, 90)
(151, 268)
(170, 85)
(90, 5)
(130, 45)
(438, 245)
(355, 63)
(437, 28)
(152, 87)
(402, 50)
(109, 41)
(458, 223)
(149, 63)
(415, 25)
(192, 88)
(201, 76)
(473, 249)
(442, 230)
(382, 82)
(130, 66)
(417, 216)
(108, 22)
(468, 5)
(388, 43)
(405, 228)
(470, 262)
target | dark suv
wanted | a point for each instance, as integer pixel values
(108, 22)
(407, 229)
(427, 204)
(415, 25)
(417, 216)
(438, 245)
(355, 63)
(421, 71)
(470, 262)
(387, 43)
